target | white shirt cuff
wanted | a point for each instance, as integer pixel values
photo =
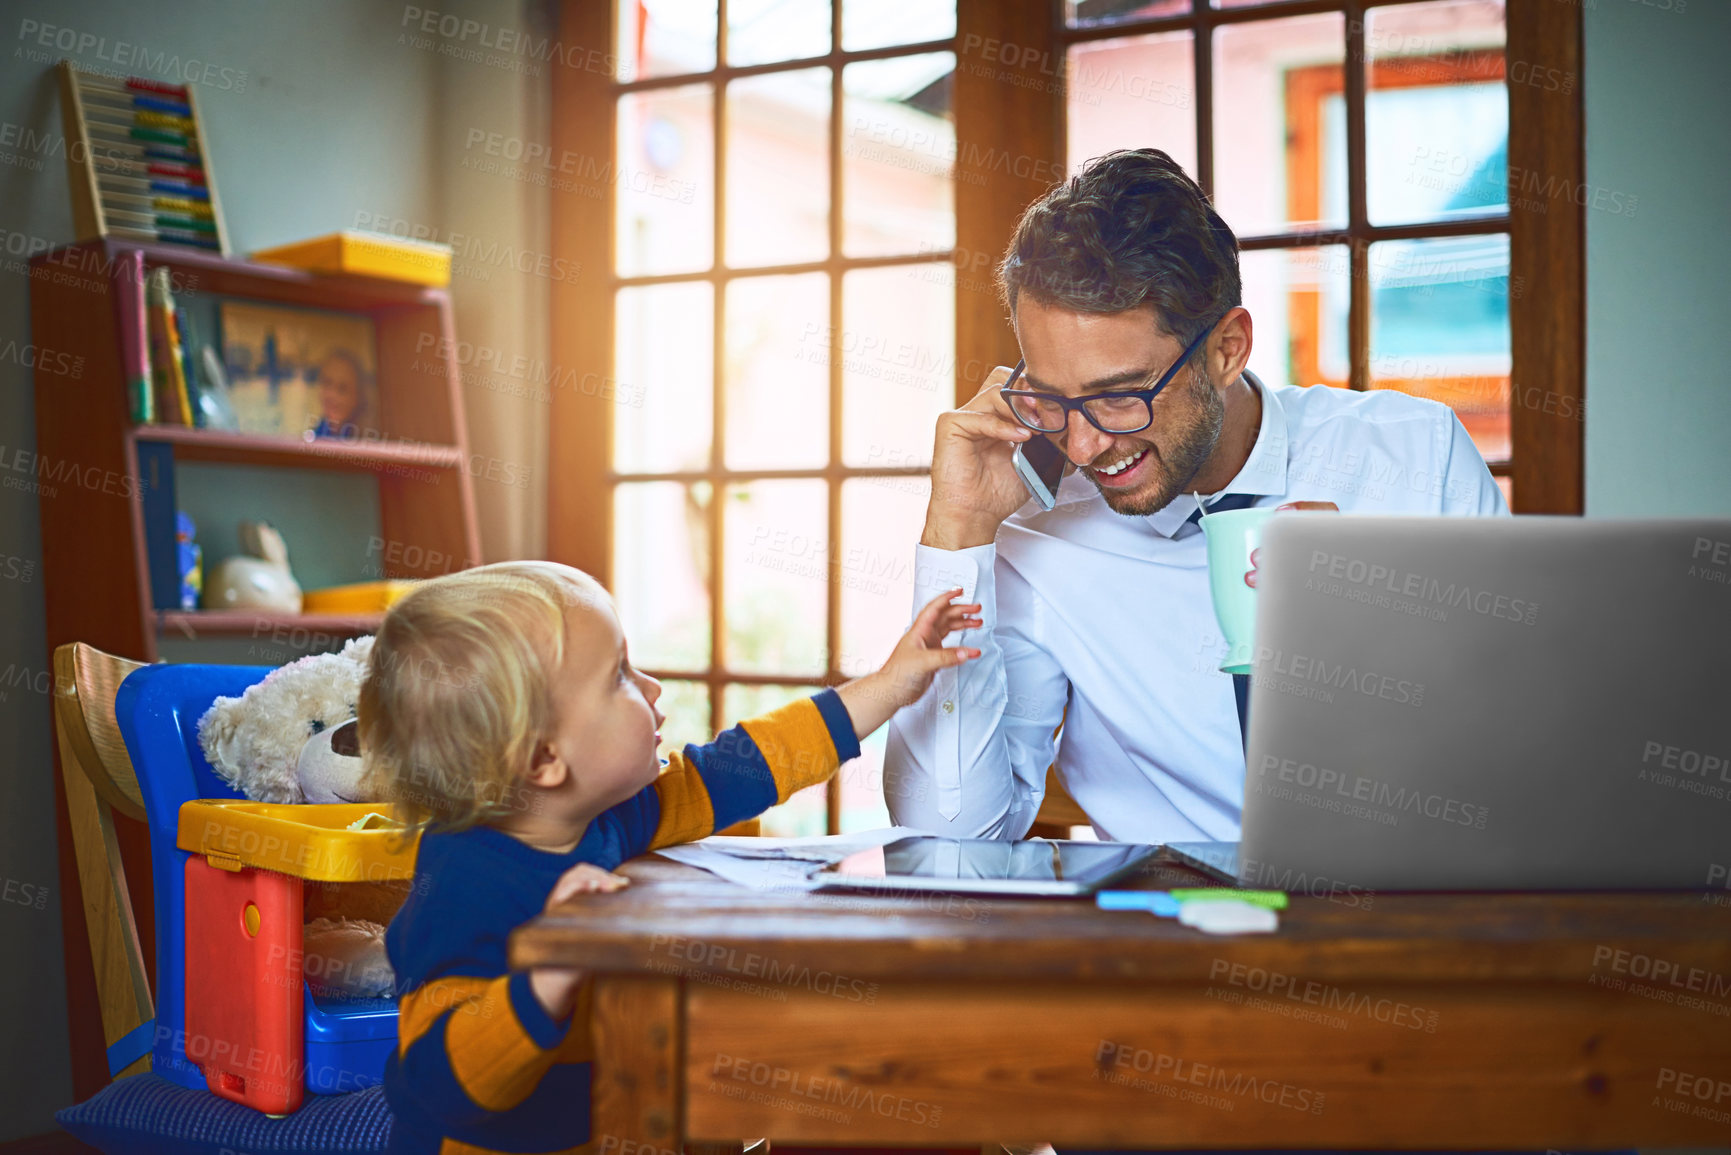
(972, 570)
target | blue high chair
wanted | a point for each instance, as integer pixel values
(169, 1109)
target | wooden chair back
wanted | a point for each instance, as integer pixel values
(1058, 811)
(99, 782)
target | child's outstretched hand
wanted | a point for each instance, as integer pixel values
(917, 657)
(556, 987)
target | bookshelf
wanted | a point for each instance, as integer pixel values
(410, 487)
(92, 487)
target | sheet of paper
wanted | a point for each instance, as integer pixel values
(778, 863)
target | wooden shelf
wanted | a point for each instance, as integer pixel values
(325, 452)
(262, 624)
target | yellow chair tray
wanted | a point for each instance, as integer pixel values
(336, 842)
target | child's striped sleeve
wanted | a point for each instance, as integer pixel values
(748, 769)
(471, 1048)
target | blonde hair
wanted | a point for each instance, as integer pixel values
(458, 690)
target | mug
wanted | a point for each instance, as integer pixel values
(1232, 537)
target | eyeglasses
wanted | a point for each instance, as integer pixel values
(1130, 411)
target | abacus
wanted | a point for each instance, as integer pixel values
(137, 163)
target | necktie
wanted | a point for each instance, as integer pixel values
(1240, 682)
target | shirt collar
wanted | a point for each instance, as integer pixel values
(1264, 471)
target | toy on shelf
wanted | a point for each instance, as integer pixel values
(211, 407)
(373, 597)
(188, 561)
(292, 737)
(260, 579)
(136, 161)
(365, 254)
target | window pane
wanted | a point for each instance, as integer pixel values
(761, 31)
(665, 39)
(666, 182)
(897, 347)
(1086, 13)
(777, 372)
(881, 23)
(661, 573)
(778, 168)
(1436, 111)
(1279, 127)
(685, 705)
(1298, 302)
(898, 155)
(665, 388)
(778, 566)
(1135, 92)
(1439, 328)
(804, 814)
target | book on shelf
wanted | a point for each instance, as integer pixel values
(167, 367)
(156, 476)
(133, 323)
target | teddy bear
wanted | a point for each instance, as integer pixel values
(292, 737)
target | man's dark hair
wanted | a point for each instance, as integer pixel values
(1130, 229)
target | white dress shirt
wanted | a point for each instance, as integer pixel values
(1111, 616)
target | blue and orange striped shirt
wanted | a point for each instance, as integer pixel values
(479, 1066)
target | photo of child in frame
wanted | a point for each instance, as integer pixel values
(300, 373)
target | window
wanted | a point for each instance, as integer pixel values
(783, 306)
(1371, 203)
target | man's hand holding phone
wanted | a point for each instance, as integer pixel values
(975, 485)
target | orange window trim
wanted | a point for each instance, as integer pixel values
(1306, 91)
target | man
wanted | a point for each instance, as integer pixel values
(1097, 613)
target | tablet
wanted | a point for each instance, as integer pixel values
(984, 866)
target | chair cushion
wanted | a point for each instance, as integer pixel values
(148, 1115)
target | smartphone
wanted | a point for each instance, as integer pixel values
(1038, 462)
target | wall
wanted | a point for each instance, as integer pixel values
(1658, 408)
(320, 115)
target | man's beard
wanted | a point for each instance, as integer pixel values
(1179, 461)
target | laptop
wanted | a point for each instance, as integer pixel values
(1487, 704)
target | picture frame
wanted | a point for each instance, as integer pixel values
(303, 374)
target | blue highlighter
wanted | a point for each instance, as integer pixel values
(1157, 902)
(1165, 903)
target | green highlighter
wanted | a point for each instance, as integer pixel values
(1272, 899)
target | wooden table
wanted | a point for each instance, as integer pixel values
(1578, 1021)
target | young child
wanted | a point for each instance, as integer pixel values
(501, 715)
